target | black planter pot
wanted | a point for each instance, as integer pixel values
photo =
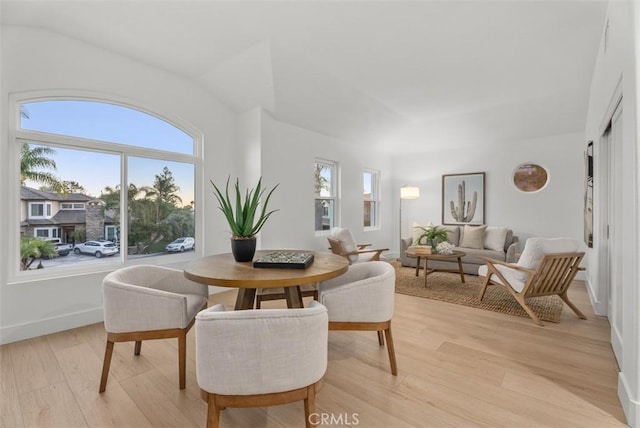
(243, 249)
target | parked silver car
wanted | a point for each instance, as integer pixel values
(181, 244)
(97, 248)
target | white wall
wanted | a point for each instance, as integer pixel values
(557, 210)
(616, 74)
(288, 156)
(36, 60)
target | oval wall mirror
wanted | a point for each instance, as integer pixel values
(530, 177)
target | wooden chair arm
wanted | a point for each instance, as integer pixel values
(514, 266)
(370, 250)
(362, 246)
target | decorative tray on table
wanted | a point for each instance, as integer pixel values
(285, 260)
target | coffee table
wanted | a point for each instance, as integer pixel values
(455, 255)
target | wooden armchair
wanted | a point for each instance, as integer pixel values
(546, 267)
(341, 242)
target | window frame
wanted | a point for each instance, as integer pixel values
(17, 136)
(374, 199)
(46, 210)
(334, 197)
(79, 206)
(52, 232)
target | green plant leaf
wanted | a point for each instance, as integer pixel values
(241, 215)
(431, 233)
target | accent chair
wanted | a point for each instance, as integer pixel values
(149, 302)
(341, 242)
(547, 266)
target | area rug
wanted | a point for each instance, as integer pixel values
(446, 287)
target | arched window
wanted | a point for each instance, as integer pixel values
(103, 183)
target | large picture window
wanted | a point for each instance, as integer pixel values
(325, 179)
(75, 159)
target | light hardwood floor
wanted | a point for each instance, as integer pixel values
(458, 367)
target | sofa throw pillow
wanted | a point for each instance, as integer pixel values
(453, 235)
(494, 238)
(473, 237)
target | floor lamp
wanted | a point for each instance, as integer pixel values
(407, 192)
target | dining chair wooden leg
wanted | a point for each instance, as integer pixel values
(380, 338)
(137, 348)
(182, 357)
(392, 351)
(310, 405)
(213, 412)
(105, 365)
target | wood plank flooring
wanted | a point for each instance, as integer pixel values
(458, 367)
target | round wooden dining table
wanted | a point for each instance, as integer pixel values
(222, 270)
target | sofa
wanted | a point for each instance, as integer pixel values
(488, 241)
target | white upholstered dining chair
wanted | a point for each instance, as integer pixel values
(259, 358)
(149, 302)
(363, 299)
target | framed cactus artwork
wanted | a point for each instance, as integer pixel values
(463, 198)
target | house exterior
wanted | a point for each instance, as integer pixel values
(72, 216)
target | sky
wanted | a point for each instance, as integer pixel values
(112, 123)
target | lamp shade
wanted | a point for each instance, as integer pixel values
(408, 192)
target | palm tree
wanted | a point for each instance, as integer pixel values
(33, 160)
(34, 248)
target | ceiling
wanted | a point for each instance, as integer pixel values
(411, 75)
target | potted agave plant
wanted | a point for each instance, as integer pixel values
(244, 219)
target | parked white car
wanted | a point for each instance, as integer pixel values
(97, 248)
(181, 244)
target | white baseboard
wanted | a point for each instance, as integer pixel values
(631, 408)
(27, 330)
(16, 332)
(599, 307)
